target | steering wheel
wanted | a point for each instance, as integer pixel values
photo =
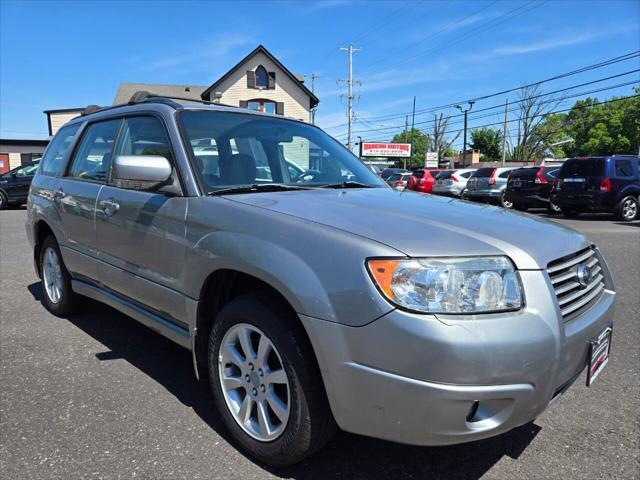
(307, 177)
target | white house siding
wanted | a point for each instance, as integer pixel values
(59, 119)
(234, 89)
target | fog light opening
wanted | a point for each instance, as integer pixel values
(472, 411)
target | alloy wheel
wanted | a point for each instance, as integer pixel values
(629, 209)
(52, 273)
(505, 203)
(254, 382)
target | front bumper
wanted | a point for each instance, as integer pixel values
(416, 378)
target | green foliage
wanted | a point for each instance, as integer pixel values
(488, 141)
(421, 144)
(604, 129)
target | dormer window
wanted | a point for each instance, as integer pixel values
(262, 78)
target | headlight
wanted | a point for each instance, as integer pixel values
(449, 285)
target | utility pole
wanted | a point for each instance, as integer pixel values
(406, 126)
(413, 122)
(313, 90)
(464, 146)
(504, 132)
(349, 81)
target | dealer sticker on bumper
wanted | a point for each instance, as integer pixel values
(598, 355)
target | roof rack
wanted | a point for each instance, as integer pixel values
(143, 96)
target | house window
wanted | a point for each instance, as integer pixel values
(262, 106)
(262, 78)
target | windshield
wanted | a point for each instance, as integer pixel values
(234, 150)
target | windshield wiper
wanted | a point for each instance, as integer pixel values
(262, 187)
(346, 184)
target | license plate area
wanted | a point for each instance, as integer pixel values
(599, 349)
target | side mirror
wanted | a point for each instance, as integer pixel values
(141, 172)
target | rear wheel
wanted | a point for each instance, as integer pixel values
(504, 202)
(553, 208)
(57, 295)
(266, 382)
(628, 209)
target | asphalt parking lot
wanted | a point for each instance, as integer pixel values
(100, 396)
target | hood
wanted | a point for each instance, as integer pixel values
(427, 225)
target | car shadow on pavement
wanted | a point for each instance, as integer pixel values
(346, 456)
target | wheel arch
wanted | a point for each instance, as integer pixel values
(41, 230)
(220, 287)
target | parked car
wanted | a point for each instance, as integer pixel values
(453, 182)
(531, 187)
(14, 185)
(488, 184)
(599, 184)
(422, 180)
(387, 172)
(302, 312)
(399, 180)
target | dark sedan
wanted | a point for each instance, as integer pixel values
(530, 187)
(14, 185)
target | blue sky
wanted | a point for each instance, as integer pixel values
(69, 54)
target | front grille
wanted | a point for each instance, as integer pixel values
(574, 297)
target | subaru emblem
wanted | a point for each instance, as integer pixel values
(583, 273)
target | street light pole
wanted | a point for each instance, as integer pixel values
(464, 146)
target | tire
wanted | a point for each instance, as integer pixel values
(627, 210)
(504, 203)
(4, 202)
(58, 298)
(553, 209)
(308, 424)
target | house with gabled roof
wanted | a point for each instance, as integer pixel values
(260, 82)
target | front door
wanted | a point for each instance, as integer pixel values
(140, 234)
(75, 196)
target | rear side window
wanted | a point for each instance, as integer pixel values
(51, 163)
(551, 173)
(505, 174)
(418, 173)
(483, 172)
(467, 174)
(589, 167)
(624, 168)
(93, 156)
(444, 175)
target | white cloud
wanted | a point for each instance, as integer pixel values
(547, 44)
(201, 53)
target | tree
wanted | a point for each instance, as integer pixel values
(439, 136)
(488, 141)
(604, 128)
(532, 139)
(420, 145)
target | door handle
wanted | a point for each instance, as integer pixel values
(108, 206)
(58, 194)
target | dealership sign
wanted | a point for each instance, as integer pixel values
(382, 149)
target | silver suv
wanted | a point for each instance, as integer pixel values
(311, 295)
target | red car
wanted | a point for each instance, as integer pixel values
(423, 180)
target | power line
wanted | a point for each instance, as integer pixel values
(604, 102)
(604, 63)
(477, 117)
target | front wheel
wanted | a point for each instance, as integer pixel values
(4, 202)
(628, 209)
(266, 382)
(504, 202)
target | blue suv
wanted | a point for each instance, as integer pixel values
(599, 184)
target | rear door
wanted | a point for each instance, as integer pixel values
(76, 192)
(624, 177)
(140, 234)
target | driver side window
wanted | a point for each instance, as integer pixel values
(93, 156)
